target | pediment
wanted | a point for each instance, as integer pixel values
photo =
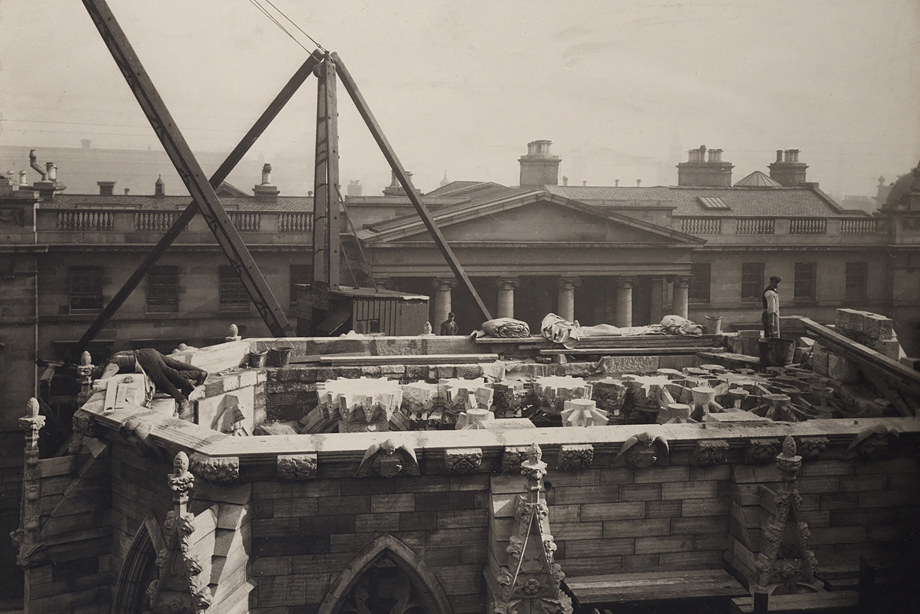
(542, 219)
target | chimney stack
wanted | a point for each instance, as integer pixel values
(395, 188)
(698, 171)
(265, 191)
(539, 166)
(106, 188)
(787, 170)
(354, 188)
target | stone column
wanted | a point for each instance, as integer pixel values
(506, 286)
(624, 300)
(442, 305)
(657, 310)
(566, 302)
(681, 296)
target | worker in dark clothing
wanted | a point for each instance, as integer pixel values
(449, 326)
(175, 378)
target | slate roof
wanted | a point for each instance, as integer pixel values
(758, 180)
(805, 201)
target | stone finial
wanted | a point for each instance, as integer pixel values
(85, 359)
(33, 407)
(233, 333)
(788, 447)
(532, 467)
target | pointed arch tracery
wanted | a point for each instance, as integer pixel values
(387, 577)
(138, 569)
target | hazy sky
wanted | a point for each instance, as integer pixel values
(622, 89)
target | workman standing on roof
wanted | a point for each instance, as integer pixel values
(770, 317)
(449, 326)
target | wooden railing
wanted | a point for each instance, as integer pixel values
(85, 219)
(755, 226)
(701, 225)
(808, 226)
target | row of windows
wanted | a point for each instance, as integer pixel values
(86, 284)
(804, 284)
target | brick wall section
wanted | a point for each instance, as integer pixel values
(305, 533)
(11, 446)
(621, 519)
(853, 507)
(74, 573)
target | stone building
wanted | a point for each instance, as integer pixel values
(619, 255)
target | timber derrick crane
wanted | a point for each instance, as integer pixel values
(327, 197)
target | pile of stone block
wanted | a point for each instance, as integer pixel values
(870, 329)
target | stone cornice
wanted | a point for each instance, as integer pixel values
(343, 453)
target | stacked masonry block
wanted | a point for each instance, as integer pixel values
(853, 508)
(304, 533)
(628, 520)
(870, 329)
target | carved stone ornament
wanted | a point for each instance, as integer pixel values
(760, 451)
(811, 447)
(296, 466)
(531, 580)
(84, 423)
(387, 460)
(217, 470)
(785, 559)
(512, 457)
(33, 421)
(643, 450)
(575, 457)
(180, 587)
(711, 452)
(875, 442)
(462, 460)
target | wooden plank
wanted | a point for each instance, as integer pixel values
(409, 359)
(654, 586)
(641, 351)
(820, 601)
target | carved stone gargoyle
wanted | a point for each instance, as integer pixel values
(387, 460)
(643, 450)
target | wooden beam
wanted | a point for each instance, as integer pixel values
(188, 168)
(897, 375)
(351, 87)
(222, 172)
(326, 224)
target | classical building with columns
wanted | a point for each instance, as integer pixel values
(629, 255)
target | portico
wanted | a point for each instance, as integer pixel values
(582, 263)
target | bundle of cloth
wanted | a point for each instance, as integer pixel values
(503, 327)
(559, 330)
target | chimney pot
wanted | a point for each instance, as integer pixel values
(85, 143)
(638, 183)
(565, 180)
(22, 178)
(779, 155)
(267, 174)
(616, 183)
(127, 191)
(584, 183)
